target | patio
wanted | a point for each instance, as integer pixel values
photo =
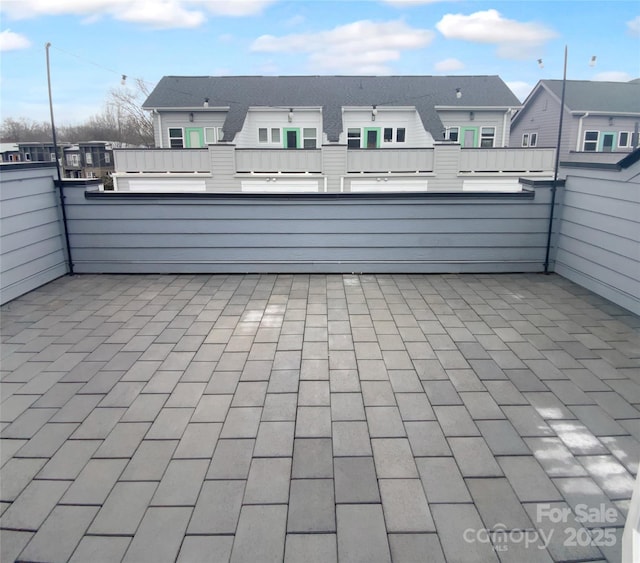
(258, 418)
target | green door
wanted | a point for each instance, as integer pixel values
(194, 137)
(372, 138)
(291, 138)
(469, 137)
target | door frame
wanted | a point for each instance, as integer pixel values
(366, 135)
(187, 137)
(604, 134)
(285, 133)
(463, 130)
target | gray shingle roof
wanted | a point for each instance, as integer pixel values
(586, 95)
(332, 93)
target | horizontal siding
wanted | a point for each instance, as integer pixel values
(291, 235)
(599, 237)
(31, 242)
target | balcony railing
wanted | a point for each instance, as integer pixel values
(162, 160)
(506, 160)
(390, 160)
(279, 160)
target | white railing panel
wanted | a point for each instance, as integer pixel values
(162, 160)
(507, 160)
(278, 160)
(390, 160)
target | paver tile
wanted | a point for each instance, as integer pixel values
(362, 536)
(311, 548)
(456, 421)
(149, 461)
(123, 509)
(95, 481)
(442, 480)
(311, 506)
(60, 534)
(355, 480)
(181, 482)
(405, 506)
(201, 548)
(502, 438)
(268, 481)
(218, 508)
(260, 535)
(160, 535)
(497, 504)
(410, 548)
(12, 542)
(393, 458)
(312, 458)
(474, 457)
(231, 459)
(100, 549)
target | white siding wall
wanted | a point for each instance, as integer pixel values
(462, 119)
(172, 119)
(268, 118)
(416, 136)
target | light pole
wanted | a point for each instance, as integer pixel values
(554, 187)
(55, 148)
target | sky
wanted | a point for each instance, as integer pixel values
(95, 42)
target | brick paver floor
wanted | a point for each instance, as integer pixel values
(317, 418)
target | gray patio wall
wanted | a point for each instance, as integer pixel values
(129, 232)
(599, 232)
(31, 242)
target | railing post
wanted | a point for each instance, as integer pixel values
(334, 166)
(222, 158)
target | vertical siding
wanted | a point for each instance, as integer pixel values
(446, 166)
(598, 244)
(312, 233)
(223, 169)
(334, 165)
(31, 242)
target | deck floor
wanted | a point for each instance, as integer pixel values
(400, 418)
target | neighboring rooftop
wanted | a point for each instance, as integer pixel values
(587, 95)
(332, 93)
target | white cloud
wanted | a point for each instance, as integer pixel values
(10, 41)
(515, 40)
(634, 26)
(520, 89)
(448, 65)
(156, 13)
(165, 14)
(295, 21)
(612, 76)
(362, 47)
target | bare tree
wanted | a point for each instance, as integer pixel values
(23, 130)
(134, 123)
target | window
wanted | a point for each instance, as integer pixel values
(88, 158)
(73, 159)
(525, 140)
(107, 158)
(210, 135)
(623, 139)
(53, 157)
(533, 140)
(387, 135)
(266, 135)
(353, 138)
(452, 134)
(590, 141)
(487, 136)
(309, 138)
(176, 138)
(27, 156)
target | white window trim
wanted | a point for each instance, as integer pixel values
(170, 137)
(533, 140)
(525, 140)
(88, 158)
(314, 138)
(270, 140)
(596, 141)
(394, 136)
(107, 158)
(448, 131)
(359, 129)
(628, 144)
(484, 136)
